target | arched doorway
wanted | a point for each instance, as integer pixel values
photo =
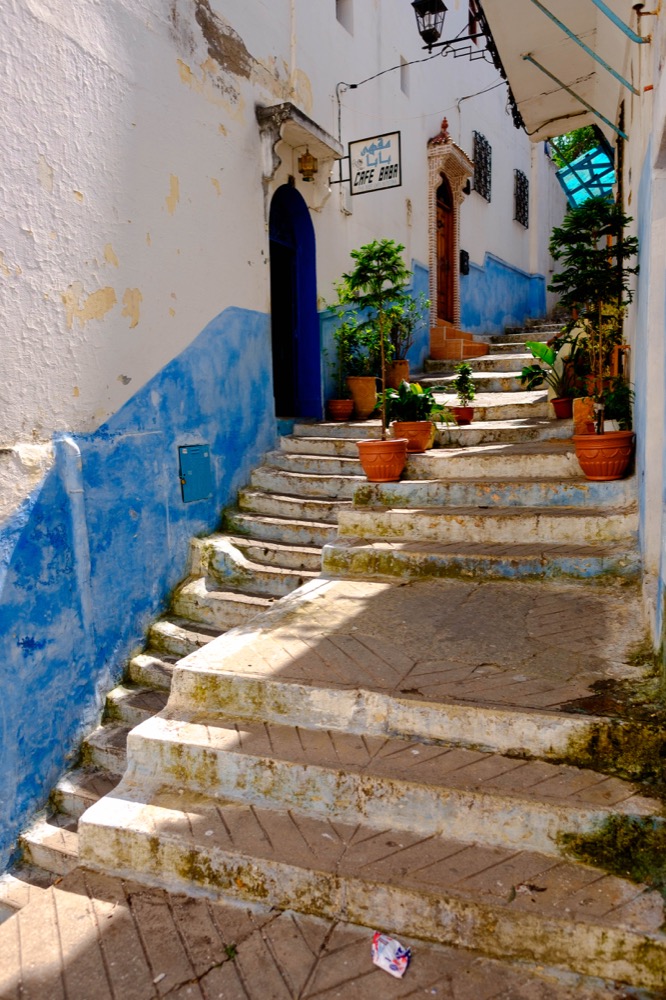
(294, 320)
(445, 252)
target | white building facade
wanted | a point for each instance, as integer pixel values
(164, 274)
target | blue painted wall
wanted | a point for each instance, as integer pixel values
(497, 295)
(93, 554)
(416, 355)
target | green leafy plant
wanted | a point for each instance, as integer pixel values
(594, 282)
(562, 375)
(412, 402)
(404, 314)
(463, 384)
(378, 277)
(618, 401)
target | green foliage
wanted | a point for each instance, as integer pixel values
(574, 144)
(618, 401)
(562, 375)
(411, 402)
(404, 314)
(629, 846)
(463, 384)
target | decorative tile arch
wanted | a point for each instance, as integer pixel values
(445, 159)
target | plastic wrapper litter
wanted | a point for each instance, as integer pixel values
(389, 955)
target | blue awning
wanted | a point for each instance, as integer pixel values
(591, 174)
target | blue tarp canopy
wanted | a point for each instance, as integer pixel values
(590, 174)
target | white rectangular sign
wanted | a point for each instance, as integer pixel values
(375, 163)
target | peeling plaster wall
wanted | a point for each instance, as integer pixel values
(134, 288)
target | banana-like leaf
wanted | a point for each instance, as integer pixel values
(541, 351)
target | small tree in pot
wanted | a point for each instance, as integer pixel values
(465, 389)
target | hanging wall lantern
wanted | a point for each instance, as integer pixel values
(307, 165)
(430, 16)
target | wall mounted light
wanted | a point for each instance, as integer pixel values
(307, 165)
(430, 16)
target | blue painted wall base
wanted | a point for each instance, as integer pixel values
(497, 295)
(92, 555)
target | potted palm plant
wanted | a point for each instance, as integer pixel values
(465, 389)
(595, 253)
(378, 277)
(411, 410)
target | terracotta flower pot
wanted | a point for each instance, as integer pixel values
(463, 414)
(397, 372)
(363, 389)
(340, 409)
(419, 433)
(383, 461)
(604, 456)
(563, 406)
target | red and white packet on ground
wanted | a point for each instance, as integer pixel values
(390, 955)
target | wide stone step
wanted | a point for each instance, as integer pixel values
(50, 847)
(484, 493)
(106, 748)
(297, 507)
(471, 560)
(218, 558)
(517, 431)
(295, 557)
(154, 668)
(77, 790)
(174, 637)
(131, 705)
(390, 783)
(333, 467)
(502, 362)
(551, 459)
(506, 381)
(324, 445)
(305, 484)
(21, 885)
(281, 530)
(356, 430)
(541, 334)
(489, 406)
(202, 600)
(497, 901)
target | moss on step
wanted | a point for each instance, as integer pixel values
(631, 750)
(628, 846)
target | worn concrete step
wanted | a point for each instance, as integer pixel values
(550, 459)
(502, 362)
(258, 551)
(300, 508)
(78, 789)
(557, 525)
(300, 483)
(520, 336)
(517, 431)
(506, 381)
(484, 493)
(489, 406)
(512, 347)
(131, 705)
(105, 749)
(333, 467)
(468, 559)
(311, 445)
(202, 600)
(495, 900)
(50, 847)
(219, 559)
(154, 668)
(21, 885)
(281, 530)
(175, 636)
(390, 783)
(355, 430)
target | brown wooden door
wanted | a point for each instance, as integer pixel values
(445, 245)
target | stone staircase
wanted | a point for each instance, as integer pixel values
(308, 770)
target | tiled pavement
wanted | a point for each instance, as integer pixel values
(96, 938)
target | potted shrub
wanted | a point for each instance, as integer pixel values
(411, 410)
(404, 315)
(595, 253)
(562, 376)
(341, 406)
(377, 278)
(465, 390)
